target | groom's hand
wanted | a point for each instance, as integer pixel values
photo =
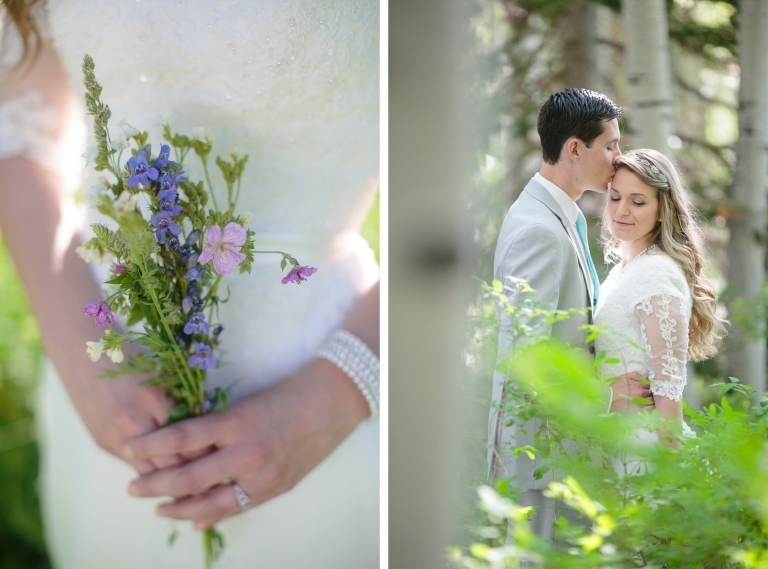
(626, 388)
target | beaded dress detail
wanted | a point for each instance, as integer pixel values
(295, 85)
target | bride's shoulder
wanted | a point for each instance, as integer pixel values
(656, 273)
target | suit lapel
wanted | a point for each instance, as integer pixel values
(540, 193)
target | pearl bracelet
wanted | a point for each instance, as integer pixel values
(353, 357)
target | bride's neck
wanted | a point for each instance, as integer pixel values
(631, 249)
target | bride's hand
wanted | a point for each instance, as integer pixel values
(266, 443)
(626, 388)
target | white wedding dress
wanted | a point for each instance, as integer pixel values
(295, 85)
(646, 307)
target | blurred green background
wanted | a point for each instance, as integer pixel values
(22, 545)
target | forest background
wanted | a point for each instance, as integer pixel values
(692, 77)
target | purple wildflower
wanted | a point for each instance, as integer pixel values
(191, 302)
(177, 177)
(193, 288)
(120, 269)
(101, 311)
(168, 199)
(193, 236)
(164, 158)
(202, 357)
(207, 405)
(140, 171)
(163, 223)
(299, 274)
(185, 252)
(192, 261)
(221, 247)
(174, 244)
(196, 324)
(194, 274)
(217, 330)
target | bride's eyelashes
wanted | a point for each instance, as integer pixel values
(619, 199)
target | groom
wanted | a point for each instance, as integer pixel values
(544, 241)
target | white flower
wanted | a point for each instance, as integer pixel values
(203, 134)
(119, 142)
(115, 354)
(126, 202)
(90, 154)
(247, 217)
(96, 190)
(94, 350)
(92, 255)
(128, 128)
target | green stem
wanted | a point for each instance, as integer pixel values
(213, 289)
(192, 387)
(208, 179)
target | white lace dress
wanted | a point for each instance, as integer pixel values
(294, 84)
(646, 308)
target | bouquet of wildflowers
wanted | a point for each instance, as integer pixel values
(170, 255)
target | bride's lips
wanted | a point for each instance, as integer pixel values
(622, 224)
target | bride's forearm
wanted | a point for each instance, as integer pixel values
(671, 412)
(40, 225)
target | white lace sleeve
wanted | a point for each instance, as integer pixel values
(35, 124)
(664, 334)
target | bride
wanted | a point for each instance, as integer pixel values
(294, 84)
(656, 296)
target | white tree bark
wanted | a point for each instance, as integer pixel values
(577, 26)
(649, 74)
(427, 305)
(746, 248)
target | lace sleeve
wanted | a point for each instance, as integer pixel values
(39, 120)
(664, 334)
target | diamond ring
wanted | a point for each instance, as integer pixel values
(242, 499)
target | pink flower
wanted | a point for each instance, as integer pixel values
(120, 269)
(222, 247)
(101, 311)
(299, 274)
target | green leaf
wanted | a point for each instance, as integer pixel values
(502, 486)
(592, 337)
(613, 361)
(600, 357)
(497, 286)
(173, 536)
(640, 401)
(540, 472)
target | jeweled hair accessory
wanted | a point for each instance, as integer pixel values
(654, 169)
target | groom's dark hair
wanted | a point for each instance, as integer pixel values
(573, 112)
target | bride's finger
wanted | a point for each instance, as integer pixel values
(167, 460)
(192, 435)
(185, 480)
(213, 514)
(216, 503)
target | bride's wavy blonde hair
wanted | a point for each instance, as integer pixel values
(20, 13)
(678, 235)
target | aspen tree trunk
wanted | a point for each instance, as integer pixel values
(649, 74)
(427, 302)
(746, 248)
(577, 25)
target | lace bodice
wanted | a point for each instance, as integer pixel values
(646, 309)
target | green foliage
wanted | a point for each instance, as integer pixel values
(22, 545)
(698, 503)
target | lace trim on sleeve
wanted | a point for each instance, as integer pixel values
(666, 344)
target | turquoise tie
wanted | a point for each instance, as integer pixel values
(581, 229)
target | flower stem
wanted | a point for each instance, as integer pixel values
(193, 387)
(208, 179)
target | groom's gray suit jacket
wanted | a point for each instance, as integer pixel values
(534, 245)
